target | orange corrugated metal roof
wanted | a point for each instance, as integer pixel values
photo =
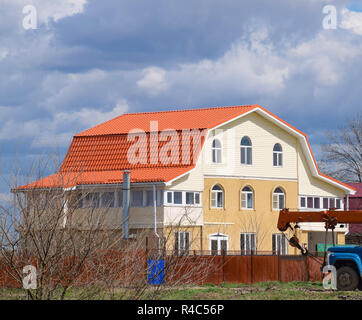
(72, 179)
(175, 119)
(99, 155)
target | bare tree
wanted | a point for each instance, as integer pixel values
(80, 252)
(342, 155)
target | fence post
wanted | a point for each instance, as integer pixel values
(251, 266)
(146, 262)
(279, 271)
(223, 266)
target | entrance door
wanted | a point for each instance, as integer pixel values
(218, 243)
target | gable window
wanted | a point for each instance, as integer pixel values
(247, 198)
(182, 242)
(279, 243)
(216, 151)
(217, 197)
(277, 155)
(245, 151)
(247, 242)
(278, 199)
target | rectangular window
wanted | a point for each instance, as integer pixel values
(316, 203)
(169, 197)
(91, 200)
(108, 199)
(182, 242)
(177, 197)
(149, 198)
(247, 243)
(331, 203)
(197, 198)
(189, 198)
(338, 203)
(302, 202)
(136, 198)
(310, 202)
(325, 203)
(279, 244)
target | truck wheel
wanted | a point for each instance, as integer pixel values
(347, 279)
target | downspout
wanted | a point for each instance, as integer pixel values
(126, 196)
(155, 215)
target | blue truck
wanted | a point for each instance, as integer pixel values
(346, 259)
(348, 262)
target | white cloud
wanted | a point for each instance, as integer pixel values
(351, 21)
(50, 132)
(153, 80)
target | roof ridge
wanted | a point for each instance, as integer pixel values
(191, 109)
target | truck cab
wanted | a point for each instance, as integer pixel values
(348, 262)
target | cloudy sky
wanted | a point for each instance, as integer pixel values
(91, 60)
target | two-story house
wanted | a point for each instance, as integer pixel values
(221, 174)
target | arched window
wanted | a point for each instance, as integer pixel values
(245, 151)
(278, 199)
(216, 151)
(277, 155)
(247, 198)
(217, 197)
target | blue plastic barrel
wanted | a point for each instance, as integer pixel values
(156, 271)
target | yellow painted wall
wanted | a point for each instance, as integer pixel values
(233, 220)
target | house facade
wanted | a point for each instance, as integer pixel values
(219, 177)
(354, 202)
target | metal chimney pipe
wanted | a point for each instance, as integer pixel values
(126, 201)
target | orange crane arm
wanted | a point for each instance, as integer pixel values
(330, 217)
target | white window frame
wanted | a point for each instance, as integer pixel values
(279, 156)
(172, 203)
(247, 150)
(245, 194)
(216, 151)
(182, 246)
(279, 238)
(214, 197)
(278, 199)
(252, 246)
(218, 237)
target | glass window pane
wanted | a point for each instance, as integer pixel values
(136, 198)
(242, 156)
(197, 198)
(249, 160)
(325, 203)
(177, 197)
(219, 200)
(302, 202)
(316, 203)
(250, 200)
(310, 202)
(275, 159)
(280, 159)
(281, 201)
(169, 197)
(189, 198)
(108, 199)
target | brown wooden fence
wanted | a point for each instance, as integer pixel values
(198, 268)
